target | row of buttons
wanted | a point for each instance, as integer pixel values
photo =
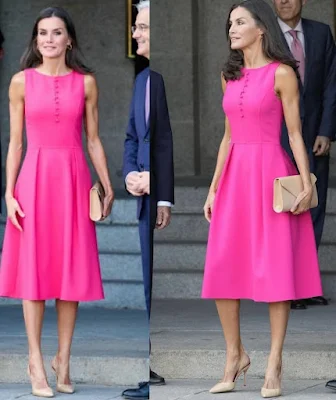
(57, 110)
(242, 94)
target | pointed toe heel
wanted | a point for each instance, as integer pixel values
(62, 387)
(45, 392)
(224, 387)
(268, 393)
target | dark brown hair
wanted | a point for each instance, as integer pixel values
(73, 58)
(273, 43)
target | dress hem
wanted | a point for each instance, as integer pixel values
(259, 300)
(52, 298)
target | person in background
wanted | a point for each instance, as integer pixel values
(312, 45)
(148, 166)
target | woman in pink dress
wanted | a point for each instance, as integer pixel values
(254, 252)
(50, 247)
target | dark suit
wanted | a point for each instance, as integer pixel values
(139, 153)
(317, 107)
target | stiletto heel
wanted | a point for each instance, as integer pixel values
(245, 372)
(223, 387)
(62, 387)
(45, 392)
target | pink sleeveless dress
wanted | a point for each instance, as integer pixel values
(56, 256)
(253, 252)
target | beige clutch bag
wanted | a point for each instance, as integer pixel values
(97, 195)
(287, 189)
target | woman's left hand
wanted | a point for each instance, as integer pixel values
(302, 202)
(108, 202)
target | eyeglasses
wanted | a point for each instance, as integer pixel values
(141, 28)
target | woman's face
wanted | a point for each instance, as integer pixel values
(52, 37)
(243, 29)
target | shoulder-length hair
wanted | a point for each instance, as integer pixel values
(273, 43)
(32, 58)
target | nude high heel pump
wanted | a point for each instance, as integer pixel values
(45, 392)
(223, 387)
(62, 387)
(268, 393)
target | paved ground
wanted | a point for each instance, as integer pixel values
(110, 347)
(187, 340)
(83, 392)
(199, 390)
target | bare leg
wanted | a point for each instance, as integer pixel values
(236, 358)
(33, 312)
(66, 318)
(279, 314)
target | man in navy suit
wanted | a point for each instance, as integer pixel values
(312, 44)
(148, 166)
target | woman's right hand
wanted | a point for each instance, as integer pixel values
(13, 207)
(208, 205)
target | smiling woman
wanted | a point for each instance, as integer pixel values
(53, 34)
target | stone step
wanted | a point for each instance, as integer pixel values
(114, 237)
(123, 211)
(179, 269)
(188, 343)
(189, 256)
(120, 258)
(184, 226)
(329, 229)
(192, 199)
(188, 285)
(122, 281)
(118, 295)
(110, 347)
(194, 227)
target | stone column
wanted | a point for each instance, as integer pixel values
(172, 54)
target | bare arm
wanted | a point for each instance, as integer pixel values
(286, 86)
(223, 149)
(16, 111)
(94, 145)
(222, 154)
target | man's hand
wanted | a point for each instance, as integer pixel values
(144, 182)
(321, 146)
(133, 184)
(163, 217)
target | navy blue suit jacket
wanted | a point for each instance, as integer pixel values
(137, 142)
(162, 164)
(318, 94)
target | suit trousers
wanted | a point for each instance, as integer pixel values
(146, 231)
(321, 170)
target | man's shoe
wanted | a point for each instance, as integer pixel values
(141, 393)
(331, 384)
(317, 301)
(298, 305)
(155, 379)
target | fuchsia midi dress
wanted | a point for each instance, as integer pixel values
(56, 256)
(253, 252)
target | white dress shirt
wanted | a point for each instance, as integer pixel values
(289, 38)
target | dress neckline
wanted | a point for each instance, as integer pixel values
(53, 76)
(255, 69)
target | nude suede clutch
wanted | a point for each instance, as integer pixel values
(97, 195)
(287, 189)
